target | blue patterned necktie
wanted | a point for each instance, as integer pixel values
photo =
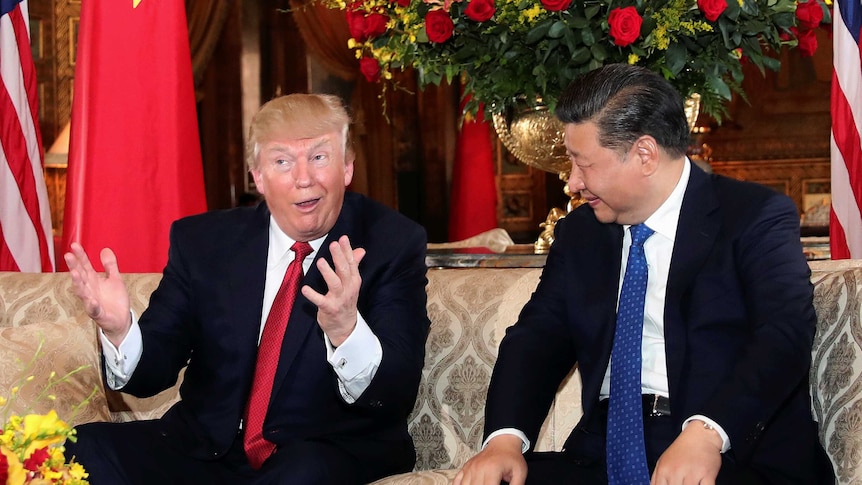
(626, 452)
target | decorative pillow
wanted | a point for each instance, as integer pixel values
(836, 369)
(125, 407)
(65, 347)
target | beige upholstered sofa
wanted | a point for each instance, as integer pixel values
(469, 311)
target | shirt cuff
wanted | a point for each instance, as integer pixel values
(725, 440)
(524, 447)
(355, 361)
(120, 362)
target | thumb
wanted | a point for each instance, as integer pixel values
(109, 262)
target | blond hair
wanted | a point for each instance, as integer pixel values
(297, 116)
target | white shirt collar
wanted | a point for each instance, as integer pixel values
(665, 219)
(280, 244)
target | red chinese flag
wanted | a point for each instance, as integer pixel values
(134, 158)
(473, 207)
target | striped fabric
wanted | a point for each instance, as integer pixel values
(25, 217)
(845, 228)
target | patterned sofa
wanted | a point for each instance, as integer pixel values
(469, 309)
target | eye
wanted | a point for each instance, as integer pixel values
(320, 158)
(282, 164)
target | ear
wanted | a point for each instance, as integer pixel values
(646, 152)
(258, 184)
(348, 171)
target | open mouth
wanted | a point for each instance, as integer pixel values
(307, 204)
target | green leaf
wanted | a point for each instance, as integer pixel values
(583, 55)
(538, 32)
(558, 29)
(676, 57)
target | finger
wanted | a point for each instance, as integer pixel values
(312, 296)
(333, 281)
(109, 262)
(358, 255)
(339, 258)
(83, 259)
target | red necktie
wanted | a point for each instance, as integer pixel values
(257, 448)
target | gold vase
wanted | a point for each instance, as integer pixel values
(535, 137)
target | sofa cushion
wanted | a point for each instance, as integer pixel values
(65, 347)
(836, 371)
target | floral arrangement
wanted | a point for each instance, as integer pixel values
(31, 445)
(532, 49)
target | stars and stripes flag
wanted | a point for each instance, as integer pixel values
(845, 226)
(26, 242)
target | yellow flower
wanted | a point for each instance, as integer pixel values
(633, 59)
(76, 471)
(43, 430)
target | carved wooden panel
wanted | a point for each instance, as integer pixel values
(799, 178)
(522, 204)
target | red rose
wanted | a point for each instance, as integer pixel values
(438, 26)
(356, 25)
(363, 25)
(375, 24)
(480, 10)
(712, 8)
(36, 458)
(402, 3)
(556, 5)
(809, 14)
(807, 41)
(625, 24)
(4, 468)
(370, 68)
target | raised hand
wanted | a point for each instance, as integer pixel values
(336, 310)
(104, 296)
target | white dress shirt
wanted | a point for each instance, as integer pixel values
(355, 361)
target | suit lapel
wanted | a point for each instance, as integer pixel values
(247, 276)
(699, 225)
(602, 300)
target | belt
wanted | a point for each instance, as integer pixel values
(654, 405)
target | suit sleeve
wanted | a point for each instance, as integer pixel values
(536, 353)
(166, 328)
(771, 366)
(393, 303)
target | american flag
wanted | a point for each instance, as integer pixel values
(845, 227)
(25, 216)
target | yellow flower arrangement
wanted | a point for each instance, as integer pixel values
(31, 445)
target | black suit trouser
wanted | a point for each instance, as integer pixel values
(142, 453)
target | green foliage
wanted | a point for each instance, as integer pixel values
(527, 51)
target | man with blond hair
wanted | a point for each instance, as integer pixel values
(319, 395)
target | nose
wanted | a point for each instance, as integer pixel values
(576, 180)
(302, 174)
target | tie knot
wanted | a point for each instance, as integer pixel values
(302, 249)
(640, 233)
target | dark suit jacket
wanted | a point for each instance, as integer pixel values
(739, 326)
(207, 312)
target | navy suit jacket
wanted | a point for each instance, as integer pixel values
(205, 316)
(739, 325)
